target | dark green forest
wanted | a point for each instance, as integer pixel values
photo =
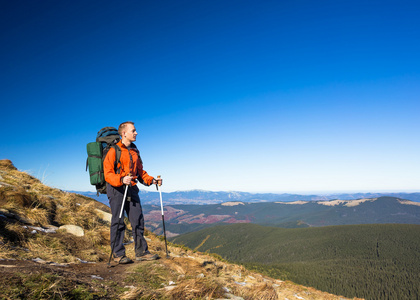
(375, 261)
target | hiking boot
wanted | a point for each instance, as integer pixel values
(123, 260)
(148, 256)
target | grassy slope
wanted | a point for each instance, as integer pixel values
(373, 261)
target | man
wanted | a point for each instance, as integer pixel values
(129, 170)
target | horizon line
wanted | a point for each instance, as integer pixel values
(317, 193)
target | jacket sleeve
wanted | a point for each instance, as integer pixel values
(145, 178)
(110, 176)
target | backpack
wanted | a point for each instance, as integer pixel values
(106, 138)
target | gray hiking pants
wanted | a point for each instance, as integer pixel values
(135, 216)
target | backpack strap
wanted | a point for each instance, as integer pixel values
(117, 158)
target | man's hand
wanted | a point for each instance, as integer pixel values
(157, 181)
(127, 179)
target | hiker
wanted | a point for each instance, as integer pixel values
(129, 171)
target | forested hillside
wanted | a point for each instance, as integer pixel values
(379, 261)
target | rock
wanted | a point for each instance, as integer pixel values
(84, 261)
(104, 215)
(58, 265)
(39, 260)
(45, 230)
(44, 262)
(73, 229)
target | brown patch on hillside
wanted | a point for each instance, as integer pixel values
(408, 202)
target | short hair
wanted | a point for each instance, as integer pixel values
(122, 127)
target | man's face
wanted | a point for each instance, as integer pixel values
(130, 133)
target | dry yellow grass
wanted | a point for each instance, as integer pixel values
(27, 201)
(201, 288)
(15, 197)
(38, 216)
(49, 248)
(97, 237)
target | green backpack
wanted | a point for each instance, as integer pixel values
(106, 138)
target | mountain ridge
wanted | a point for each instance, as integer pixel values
(181, 219)
(204, 197)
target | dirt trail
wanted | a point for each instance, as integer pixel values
(83, 272)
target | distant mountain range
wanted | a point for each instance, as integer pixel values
(186, 218)
(185, 212)
(202, 197)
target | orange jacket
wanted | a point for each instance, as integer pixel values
(135, 167)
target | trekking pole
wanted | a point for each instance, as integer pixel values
(163, 218)
(118, 227)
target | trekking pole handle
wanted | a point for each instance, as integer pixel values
(157, 182)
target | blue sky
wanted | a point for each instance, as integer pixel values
(257, 96)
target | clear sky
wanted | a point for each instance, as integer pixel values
(257, 96)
